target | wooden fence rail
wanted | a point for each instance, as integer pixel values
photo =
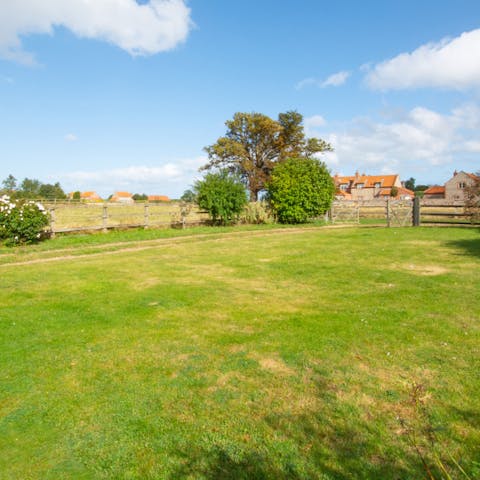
(401, 213)
(80, 217)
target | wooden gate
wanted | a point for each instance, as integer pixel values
(344, 212)
(399, 213)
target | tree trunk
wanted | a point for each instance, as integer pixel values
(253, 195)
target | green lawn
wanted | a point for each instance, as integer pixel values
(305, 353)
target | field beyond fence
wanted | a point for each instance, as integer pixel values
(77, 217)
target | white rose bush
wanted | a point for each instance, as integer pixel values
(22, 222)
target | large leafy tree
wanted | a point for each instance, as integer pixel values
(300, 189)
(255, 143)
(51, 191)
(30, 188)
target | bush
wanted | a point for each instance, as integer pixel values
(22, 221)
(300, 189)
(222, 195)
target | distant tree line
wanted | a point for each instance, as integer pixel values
(31, 189)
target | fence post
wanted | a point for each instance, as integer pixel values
(416, 212)
(52, 222)
(388, 212)
(104, 218)
(146, 218)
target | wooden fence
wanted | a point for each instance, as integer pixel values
(401, 213)
(80, 217)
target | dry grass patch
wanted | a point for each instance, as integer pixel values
(422, 270)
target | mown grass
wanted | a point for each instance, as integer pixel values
(267, 354)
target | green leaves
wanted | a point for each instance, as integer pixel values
(255, 143)
(22, 222)
(222, 195)
(300, 189)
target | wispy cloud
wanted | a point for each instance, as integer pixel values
(70, 137)
(335, 80)
(450, 63)
(140, 29)
(170, 178)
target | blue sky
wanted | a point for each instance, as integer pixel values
(114, 95)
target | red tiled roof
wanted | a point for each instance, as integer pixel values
(90, 195)
(435, 190)
(122, 195)
(369, 181)
(400, 191)
(158, 198)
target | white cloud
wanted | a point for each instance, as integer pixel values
(146, 29)
(71, 137)
(420, 142)
(334, 80)
(450, 63)
(312, 123)
(171, 178)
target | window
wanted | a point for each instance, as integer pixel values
(378, 184)
(360, 185)
(343, 187)
(462, 185)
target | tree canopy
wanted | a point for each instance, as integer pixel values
(254, 143)
(222, 195)
(410, 183)
(300, 189)
(31, 188)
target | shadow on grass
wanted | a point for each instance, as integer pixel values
(470, 247)
(332, 443)
(341, 454)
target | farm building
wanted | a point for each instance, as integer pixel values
(158, 198)
(454, 189)
(122, 197)
(368, 187)
(87, 196)
(435, 191)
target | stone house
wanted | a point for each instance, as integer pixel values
(455, 187)
(369, 187)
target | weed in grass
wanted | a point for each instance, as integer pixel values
(422, 433)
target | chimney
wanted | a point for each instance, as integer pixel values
(455, 173)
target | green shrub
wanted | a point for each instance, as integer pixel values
(22, 221)
(300, 189)
(222, 195)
